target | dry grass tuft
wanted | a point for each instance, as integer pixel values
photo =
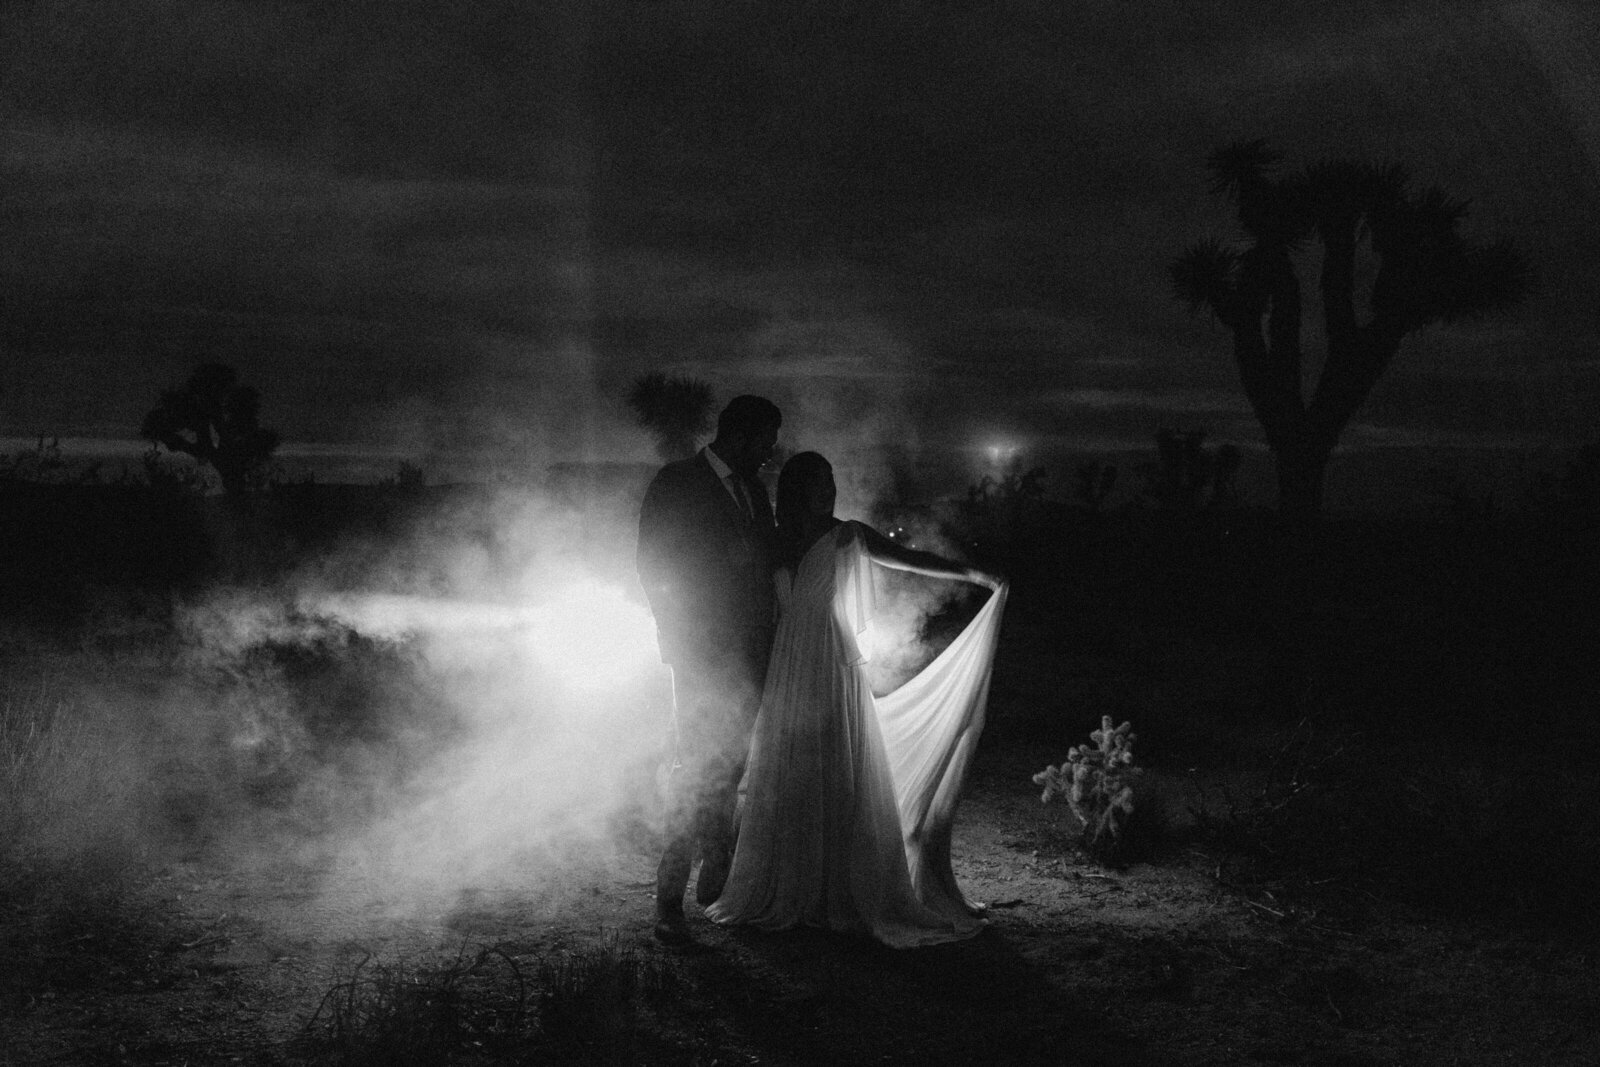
(597, 1006)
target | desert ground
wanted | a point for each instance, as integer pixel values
(1391, 865)
(1164, 962)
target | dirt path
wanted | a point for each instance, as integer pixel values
(1157, 964)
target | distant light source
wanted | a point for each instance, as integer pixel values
(1002, 452)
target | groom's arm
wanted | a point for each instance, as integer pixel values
(664, 550)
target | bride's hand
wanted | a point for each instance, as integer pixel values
(992, 582)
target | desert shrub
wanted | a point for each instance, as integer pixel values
(166, 475)
(1005, 517)
(1097, 784)
(601, 1000)
(409, 479)
(41, 464)
(1256, 805)
(1291, 809)
(397, 1014)
(344, 685)
(1185, 475)
(299, 715)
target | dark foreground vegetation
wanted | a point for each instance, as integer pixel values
(1367, 713)
(1396, 706)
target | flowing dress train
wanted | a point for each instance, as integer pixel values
(851, 798)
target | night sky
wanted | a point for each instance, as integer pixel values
(445, 229)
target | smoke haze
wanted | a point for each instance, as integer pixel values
(455, 705)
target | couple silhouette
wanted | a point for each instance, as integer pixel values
(765, 621)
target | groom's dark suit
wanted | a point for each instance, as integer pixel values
(706, 564)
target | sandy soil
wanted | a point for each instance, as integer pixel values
(1159, 963)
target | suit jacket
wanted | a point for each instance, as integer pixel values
(706, 567)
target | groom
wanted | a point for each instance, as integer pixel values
(705, 559)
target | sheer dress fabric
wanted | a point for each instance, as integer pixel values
(850, 799)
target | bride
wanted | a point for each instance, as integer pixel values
(851, 798)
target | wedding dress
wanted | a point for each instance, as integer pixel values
(851, 798)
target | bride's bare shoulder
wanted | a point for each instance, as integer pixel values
(848, 530)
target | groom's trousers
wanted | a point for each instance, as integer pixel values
(714, 700)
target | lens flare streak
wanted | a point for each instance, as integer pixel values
(587, 632)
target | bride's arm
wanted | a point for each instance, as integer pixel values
(898, 557)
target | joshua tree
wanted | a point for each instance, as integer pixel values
(1393, 261)
(677, 410)
(217, 421)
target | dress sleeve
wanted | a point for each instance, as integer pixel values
(854, 605)
(931, 726)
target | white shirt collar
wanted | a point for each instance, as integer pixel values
(723, 470)
(727, 477)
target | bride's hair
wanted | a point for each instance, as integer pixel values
(794, 481)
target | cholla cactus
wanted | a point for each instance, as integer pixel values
(1097, 784)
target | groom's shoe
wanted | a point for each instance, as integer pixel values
(671, 927)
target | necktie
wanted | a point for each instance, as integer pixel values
(742, 496)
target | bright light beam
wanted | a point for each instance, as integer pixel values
(592, 636)
(587, 633)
